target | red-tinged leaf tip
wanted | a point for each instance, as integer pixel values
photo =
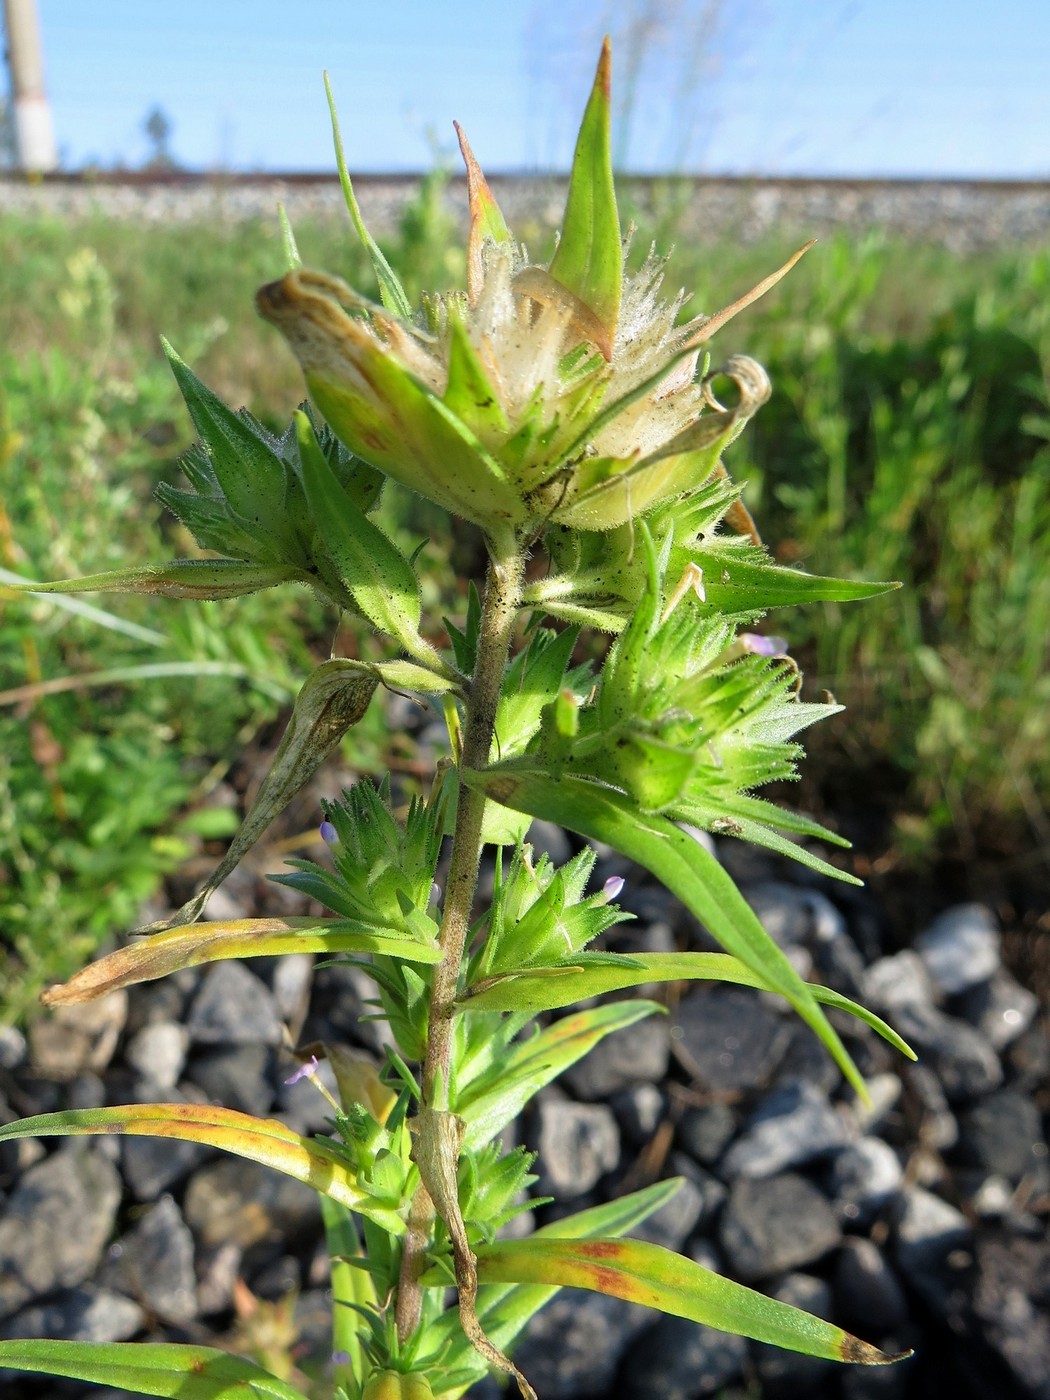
(603, 77)
(486, 220)
(589, 257)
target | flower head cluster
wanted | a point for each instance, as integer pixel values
(562, 394)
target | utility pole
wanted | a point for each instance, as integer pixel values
(34, 130)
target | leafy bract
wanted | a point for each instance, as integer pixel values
(589, 259)
(489, 1104)
(683, 865)
(373, 570)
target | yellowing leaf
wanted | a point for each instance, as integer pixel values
(658, 1278)
(159, 954)
(150, 1368)
(263, 1140)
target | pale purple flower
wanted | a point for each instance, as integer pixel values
(613, 888)
(758, 645)
(328, 833)
(305, 1071)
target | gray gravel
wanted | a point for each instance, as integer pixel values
(965, 216)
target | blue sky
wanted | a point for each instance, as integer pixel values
(838, 87)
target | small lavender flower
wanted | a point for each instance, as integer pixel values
(758, 645)
(328, 833)
(613, 888)
(305, 1071)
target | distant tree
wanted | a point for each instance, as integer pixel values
(158, 127)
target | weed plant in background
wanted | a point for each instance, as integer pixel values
(562, 411)
(89, 782)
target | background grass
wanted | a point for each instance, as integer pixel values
(908, 437)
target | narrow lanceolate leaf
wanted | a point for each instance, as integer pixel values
(658, 1278)
(739, 584)
(589, 258)
(683, 865)
(547, 988)
(182, 578)
(486, 221)
(160, 954)
(376, 574)
(391, 292)
(333, 698)
(109, 620)
(487, 1108)
(503, 1310)
(150, 1368)
(263, 1140)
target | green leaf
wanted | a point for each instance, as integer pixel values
(731, 814)
(181, 578)
(734, 583)
(332, 699)
(489, 1104)
(503, 1310)
(109, 620)
(469, 393)
(288, 243)
(248, 471)
(658, 1278)
(683, 865)
(314, 1162)
(352, 1288)
(377, 575)
(547, 988)
(589, 258)
(163, 953)
(150, 1368)
(391, 292)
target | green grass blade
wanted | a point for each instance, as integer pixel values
(391, 292)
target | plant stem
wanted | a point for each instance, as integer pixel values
(499, 612)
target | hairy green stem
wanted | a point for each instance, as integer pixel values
(499, 611)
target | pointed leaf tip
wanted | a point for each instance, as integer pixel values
(589, 258)
(486, 219)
